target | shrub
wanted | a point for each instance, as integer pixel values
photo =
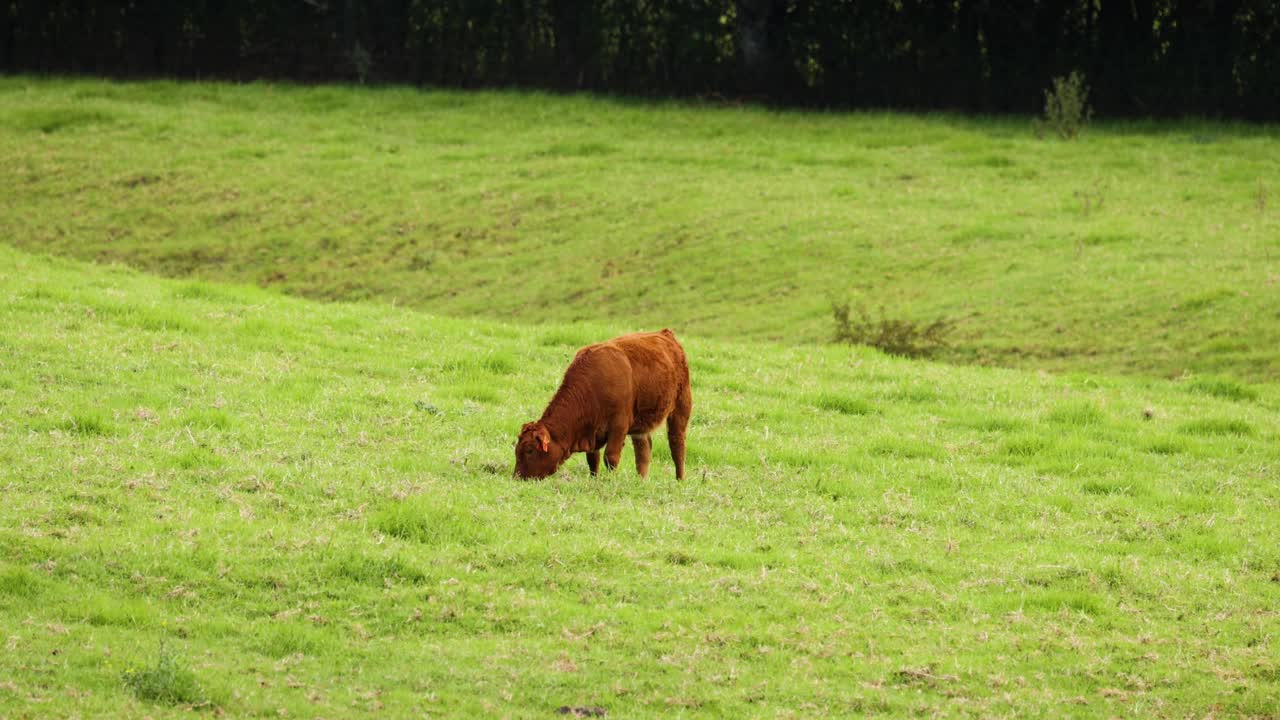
(1066, 106)
(896, 336)
(164, 681)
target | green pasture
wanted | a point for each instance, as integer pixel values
(1147, 248)
(221, 501)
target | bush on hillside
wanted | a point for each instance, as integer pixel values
(166, 681)
(1066, 106)
(895, 336)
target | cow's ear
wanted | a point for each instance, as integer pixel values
(542, 444)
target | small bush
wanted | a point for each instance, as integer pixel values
(165, 681)
(1066, 106)
(896, 336)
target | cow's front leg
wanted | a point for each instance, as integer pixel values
(613, 448)
(593, 461)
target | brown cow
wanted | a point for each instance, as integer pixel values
(626, 386)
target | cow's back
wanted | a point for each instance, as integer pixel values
(659, 373)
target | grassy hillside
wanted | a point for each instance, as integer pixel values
(309, 506)
(1141, 248)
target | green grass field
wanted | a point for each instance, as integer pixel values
(224, 498)
(1142, 248)
(308, 506)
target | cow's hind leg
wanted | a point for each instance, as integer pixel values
(593, 461)
(677, 423)
(643, 447)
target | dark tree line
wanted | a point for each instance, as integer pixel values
(1158, 57)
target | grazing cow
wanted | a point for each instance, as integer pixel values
(626, 386)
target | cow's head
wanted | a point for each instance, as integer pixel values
(537, 455)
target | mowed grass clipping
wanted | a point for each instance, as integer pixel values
(220, 498)
(1148, 248)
